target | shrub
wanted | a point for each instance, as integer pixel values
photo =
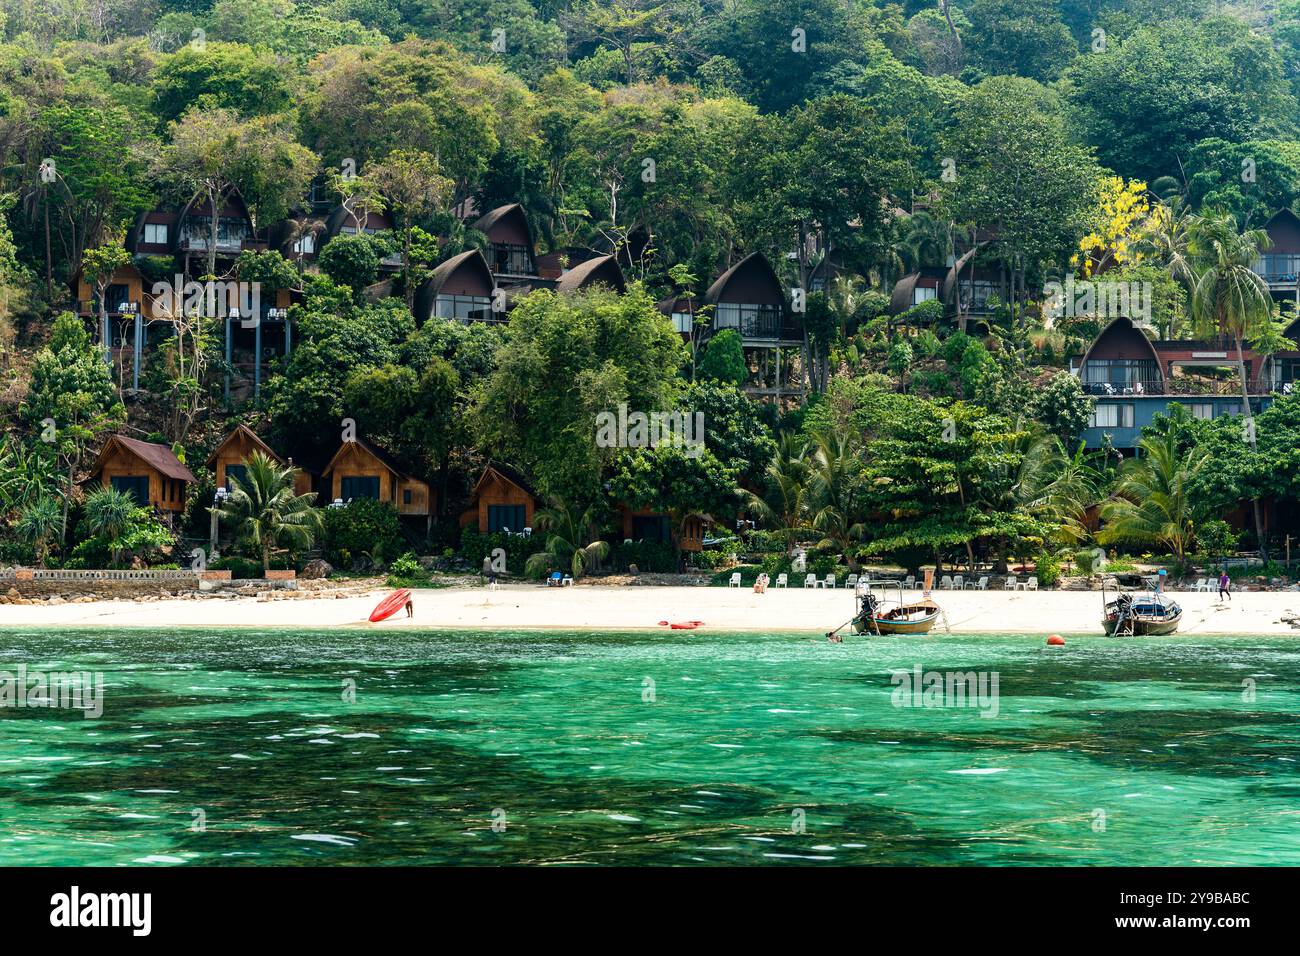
(654, 556)
(363, 533)
(1047, 569)
(475, 546)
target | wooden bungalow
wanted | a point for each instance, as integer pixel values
(342, 223)
(501, 500)
(641, 525)
(228, 460)
(149, 473)
(360, 470)
(1279, 265)
(460, 289)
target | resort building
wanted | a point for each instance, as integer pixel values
(149, 473)
(502, 500)
(462, 289)
(360, 470)
(749, 298)
(229, 459)
(511, 252)
(1279, 265)
(651, 526)
(1133, 378)
(601, 270)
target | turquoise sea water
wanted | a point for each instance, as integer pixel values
(660, 748)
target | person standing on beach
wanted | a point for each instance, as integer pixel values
(1225, 586)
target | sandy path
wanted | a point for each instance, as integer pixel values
(597, 607)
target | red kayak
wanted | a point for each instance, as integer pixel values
(391, 605)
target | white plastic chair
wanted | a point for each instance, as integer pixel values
(981, 585)
(945, 583)
(909, 582)
(567, 582)
(851, 582)
(1031, 584)
(1011, 583)
(735, 580)
(829, 582)
(959, 583)
(810, 581)
(782, 580)
(1024, 585)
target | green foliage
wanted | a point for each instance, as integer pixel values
(723, 359)
(1062, 407)
(361, 534)
(264, 513)
(476, 545)
(656, 557)
(352, 261)
(567, 359)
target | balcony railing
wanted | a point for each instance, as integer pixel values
(1152, 386)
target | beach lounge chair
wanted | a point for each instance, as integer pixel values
(829, 582)
(810, 581)
(945, 583)
(783, 580)
(1011, 583)
(981, 585)
(735, 580)
(851, 582)
(555, 580)
(909, 582)
(959, 583)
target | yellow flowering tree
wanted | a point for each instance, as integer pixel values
(1123, 210)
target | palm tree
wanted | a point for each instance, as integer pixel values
(785, 505)
(1169, 240)
(1231, 298)
(1152, 506)
(108, 515)
(263, 509)
(1065, 487)
(37, 523)
(835, 491)
(568, 529)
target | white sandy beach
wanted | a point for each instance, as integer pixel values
(622, 608)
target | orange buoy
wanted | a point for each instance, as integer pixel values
(1056, 640)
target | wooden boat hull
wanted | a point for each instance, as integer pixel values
(921, 624)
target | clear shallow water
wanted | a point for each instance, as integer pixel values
(745, 736)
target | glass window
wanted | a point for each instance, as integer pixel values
(923, 294)
(406, 496)
(511, 259)
(155, 233)
(356, 487)
(137, 486)
(650, 528)
(465, 308)
(506, 518)
(1112, 415)
(305, 244)
(683, 322)
(237, 472)
(751, 319)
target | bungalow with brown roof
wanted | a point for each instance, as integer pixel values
(602, 270)
(230, 459)
(501, 500)
(150, 473)
(461, 289)
(360, 470)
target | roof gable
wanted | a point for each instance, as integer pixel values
(603, 270)
(752, 279)
(158, 457)
(471, 261)
(244, 433)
